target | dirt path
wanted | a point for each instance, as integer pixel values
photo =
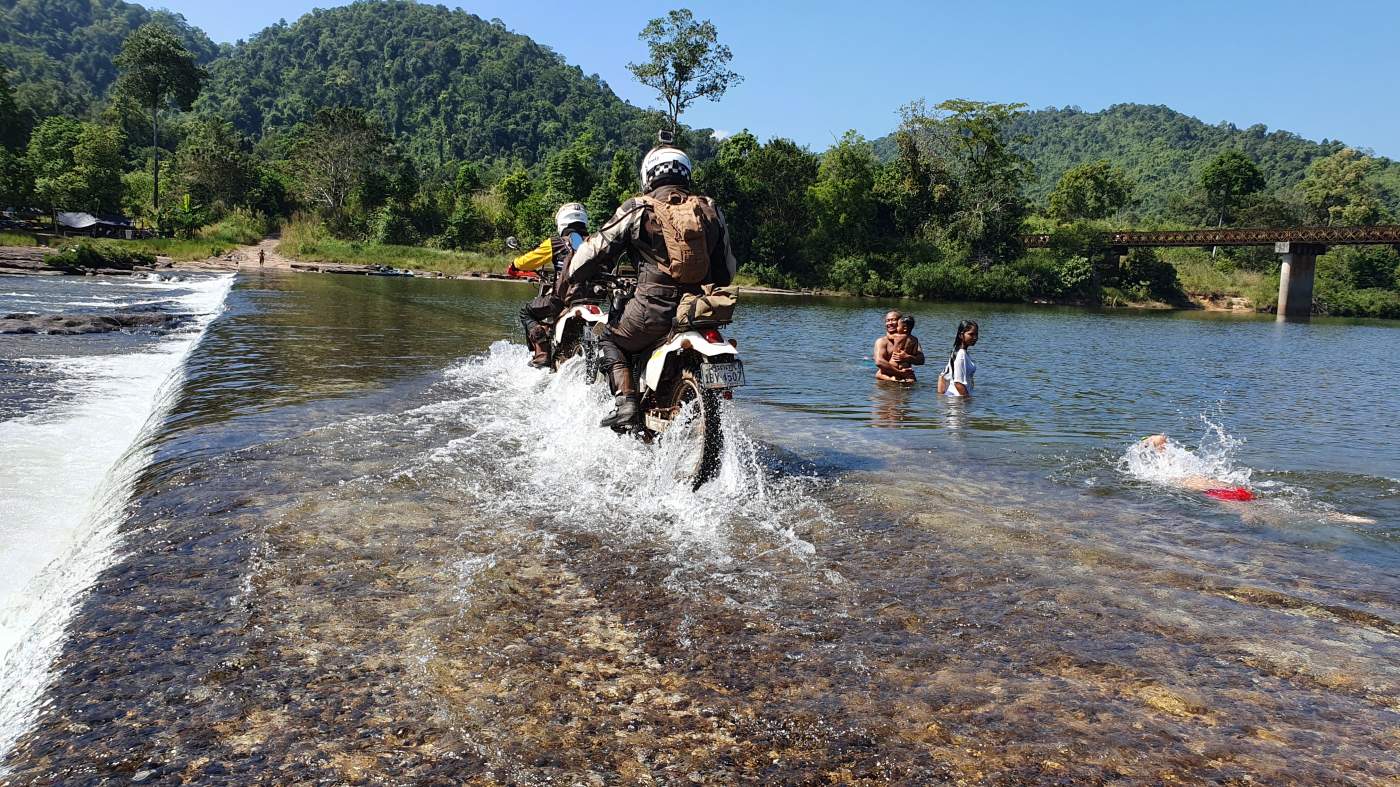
(243, 257)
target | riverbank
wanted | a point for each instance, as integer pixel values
(358, 259)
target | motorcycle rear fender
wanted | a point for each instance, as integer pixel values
(656, 364)
(581, 311)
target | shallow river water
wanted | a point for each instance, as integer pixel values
(368, 545)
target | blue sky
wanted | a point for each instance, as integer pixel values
(814, 69)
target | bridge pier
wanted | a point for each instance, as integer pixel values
(1295, 281)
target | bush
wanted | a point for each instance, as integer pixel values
(1074, 275)
(99, 255)
(1370, 267)
(393, 225)
(240, 227)
(857, 275)
(1370, 302)
(1145, 276)
(768, 275)
(1040, 269)
(954, 281)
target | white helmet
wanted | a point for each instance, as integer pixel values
(570, 213)
(665, 164)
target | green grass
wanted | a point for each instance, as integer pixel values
(238, 228)
(177, 249)
(1200, 275)
(18, 239)
(308, 241)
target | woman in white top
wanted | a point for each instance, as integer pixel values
(956, 377)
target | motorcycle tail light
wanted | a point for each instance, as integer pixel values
(593, 309)
(712, 336)
(728, 394)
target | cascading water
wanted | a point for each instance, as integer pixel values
(68, 470)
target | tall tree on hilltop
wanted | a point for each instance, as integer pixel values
(687, 62)
(1227, 180)
(156, 71)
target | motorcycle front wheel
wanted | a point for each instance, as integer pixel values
(696, 425)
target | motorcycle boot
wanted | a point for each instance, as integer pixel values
(629, 408)
(539, 343)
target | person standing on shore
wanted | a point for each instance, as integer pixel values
(956, 377)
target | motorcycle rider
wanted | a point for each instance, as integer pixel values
(571, 221)
(678, 241)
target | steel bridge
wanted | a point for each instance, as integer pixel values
(1297, 247)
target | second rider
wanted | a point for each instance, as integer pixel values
(571, 220)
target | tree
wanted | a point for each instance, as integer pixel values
(979, 200)
(49, 159)
(97, 165)
(335, 154)
(777, 178)
(906, 188)
(687, 62)
(76, 166)
(213, 162)
(843, 198)
(613, 189)
(11, 122)
(1339, 190)
(1227, 180)
(1091, 191)
(156, 71)
(568, 173)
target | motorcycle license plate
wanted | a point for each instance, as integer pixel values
(722, 375)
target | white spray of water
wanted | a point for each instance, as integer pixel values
(64, 486)
(539, 433)
(1212, 458)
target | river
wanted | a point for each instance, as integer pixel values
(361, 542)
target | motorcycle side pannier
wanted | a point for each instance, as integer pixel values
(713, 305)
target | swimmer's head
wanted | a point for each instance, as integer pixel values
(906, 324)
(1157, 441)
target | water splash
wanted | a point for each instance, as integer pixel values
(1213, 458)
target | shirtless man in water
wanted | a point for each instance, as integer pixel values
(895, 355)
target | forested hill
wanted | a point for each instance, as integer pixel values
(59, 53)
(451, 86)
(1162, 149)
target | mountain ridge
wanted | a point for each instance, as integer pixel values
(1162, 149)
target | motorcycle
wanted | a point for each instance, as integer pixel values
(682, 382)
(578, 328)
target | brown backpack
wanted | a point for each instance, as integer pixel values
(684, 219)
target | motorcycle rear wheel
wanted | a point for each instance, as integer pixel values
(699, 426)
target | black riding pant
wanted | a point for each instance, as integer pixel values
(646, 319)
(537, 315)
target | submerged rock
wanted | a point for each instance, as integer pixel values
(71, 324)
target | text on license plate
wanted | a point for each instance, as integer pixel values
(722, 375)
